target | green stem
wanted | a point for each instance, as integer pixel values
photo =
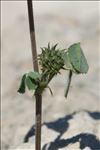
(68, 83)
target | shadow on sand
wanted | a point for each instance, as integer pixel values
(85, 140)
(61, 126)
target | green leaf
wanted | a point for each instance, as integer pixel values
(67, 61)
(34, 75)
(77, 58)
(30, 84)
(22, 85)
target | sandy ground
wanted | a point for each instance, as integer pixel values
(63, 23)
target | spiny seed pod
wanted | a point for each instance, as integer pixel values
(51, 60)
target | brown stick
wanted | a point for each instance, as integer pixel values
(32, 34)
(35, 66)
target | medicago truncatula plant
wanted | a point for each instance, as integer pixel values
(51, 61)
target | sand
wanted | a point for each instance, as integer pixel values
(63, 23)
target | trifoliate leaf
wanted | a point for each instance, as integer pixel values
(77, 58)
(22, 85)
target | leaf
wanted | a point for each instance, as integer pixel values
(77, 58)
(22, 85)
(67, 60)
(34, 75)
(30, 84)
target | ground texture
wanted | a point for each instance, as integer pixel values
(67, 124)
